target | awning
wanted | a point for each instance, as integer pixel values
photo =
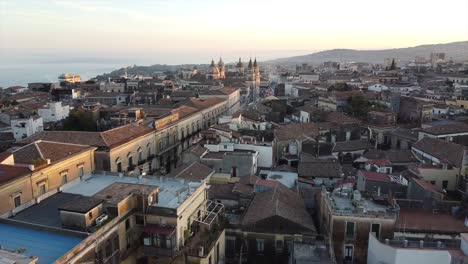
(158, 229)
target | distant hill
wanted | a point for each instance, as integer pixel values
(455, 50)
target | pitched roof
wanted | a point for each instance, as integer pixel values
(9, 172)
(109, 138)
(202, 103)
(296, 131)
(375, 176)
(427, 186)
(352, 145)
(54, 151)
(222, 191)
(245, 185)
(320, 168)
(446, 152)
(281, 202)
(446, 129)
(194, 171)
(405, 133)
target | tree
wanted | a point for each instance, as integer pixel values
(79, 121)
(359, 106)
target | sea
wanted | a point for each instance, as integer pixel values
(21, 74)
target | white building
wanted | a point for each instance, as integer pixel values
(112, 87)
(406, 252)
(377, 87)
(54, 112)
(26, 127)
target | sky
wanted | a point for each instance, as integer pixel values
(194, 31)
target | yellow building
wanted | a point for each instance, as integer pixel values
(40, 169)
(121, 149)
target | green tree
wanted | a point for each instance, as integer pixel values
(79, 121)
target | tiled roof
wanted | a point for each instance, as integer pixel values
(9, 172)
(202, 103)
(197, 150)
(446, 152)
(446, 129)
(406, 133)
(281, 202)
(352, 145)
(299, 131)
(222, 191)
(193, 172)
(184, 111)
(427, 186)
(54, 151)
(245, 185)
(109, 138)
(320, 169)
(375, 176)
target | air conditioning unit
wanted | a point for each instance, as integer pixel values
(101, 219)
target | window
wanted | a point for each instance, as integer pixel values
(90, 215)
(119, 166)
(260, 245)
(350, 230)
(140, 156)
(64, 178)
(81, 171)
(149, 151)
(444, 184)
(17, 200)
(375, 229)
(432, 182)
(42, 189)
(348, 253)
(127, 224)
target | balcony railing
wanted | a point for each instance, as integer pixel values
(159, 252)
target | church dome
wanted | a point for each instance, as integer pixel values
(213, 69)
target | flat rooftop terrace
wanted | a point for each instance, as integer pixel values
(46, 212)
(172, 192)
(342, 203)
(47, 246)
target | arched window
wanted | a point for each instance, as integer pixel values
(148, 148)
(140, 154)
(130, 159)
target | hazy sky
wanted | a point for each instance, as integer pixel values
(196, 30)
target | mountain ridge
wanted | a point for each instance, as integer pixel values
(456, 50)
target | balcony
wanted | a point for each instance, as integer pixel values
(207, 230)
(159, 241)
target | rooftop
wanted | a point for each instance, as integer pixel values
(118, 191)
(422, 221)
(447, 152)
(172, 192)
(345, 201)
(46, 213)
(47, 246)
